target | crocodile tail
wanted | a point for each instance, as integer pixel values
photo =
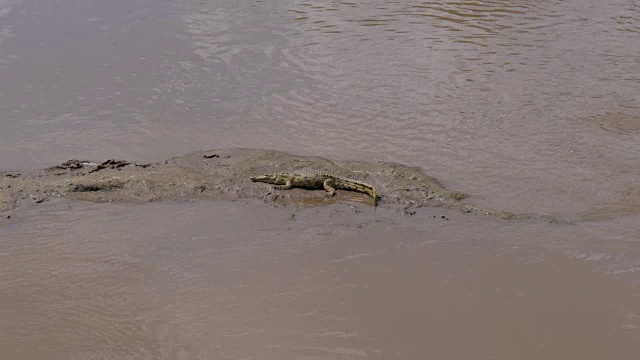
(375, 196)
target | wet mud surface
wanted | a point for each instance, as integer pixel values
(224, 174)
(619, 123)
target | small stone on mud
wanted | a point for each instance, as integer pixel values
(37, 199)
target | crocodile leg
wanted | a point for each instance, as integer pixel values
(329, 186)
(287, 185)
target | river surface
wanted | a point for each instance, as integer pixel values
(528, 106)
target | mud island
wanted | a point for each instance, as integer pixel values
(226, 174)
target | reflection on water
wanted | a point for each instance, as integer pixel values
(479, 18)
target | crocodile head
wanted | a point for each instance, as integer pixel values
(269, 178)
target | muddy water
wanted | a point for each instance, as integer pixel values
(527, 106)
(243, 280)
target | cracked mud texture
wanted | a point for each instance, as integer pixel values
(224, 174)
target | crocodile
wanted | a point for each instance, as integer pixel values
(318, 180)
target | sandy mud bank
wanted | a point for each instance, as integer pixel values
(225, 174)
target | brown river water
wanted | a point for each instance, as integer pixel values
(528, 106)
